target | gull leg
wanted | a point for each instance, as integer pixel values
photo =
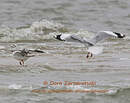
(20, 62)
(88, 55)
(91, 55)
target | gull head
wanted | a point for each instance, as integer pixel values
(58, 37)
(119, 35)
(25, 51)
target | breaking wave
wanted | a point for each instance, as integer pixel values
(39, 30)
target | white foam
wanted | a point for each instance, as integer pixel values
(39, 26)
(15, 86)
(37, 31)
(2, 47)
(124, 58)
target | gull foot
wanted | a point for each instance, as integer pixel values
(89, 55)
(21, 62)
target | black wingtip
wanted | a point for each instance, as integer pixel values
(39, 51)
(119, 35)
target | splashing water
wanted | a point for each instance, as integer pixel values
(37, 31)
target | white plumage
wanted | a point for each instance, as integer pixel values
(102, 35)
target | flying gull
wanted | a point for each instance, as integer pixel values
(24, 54)
(102, 35)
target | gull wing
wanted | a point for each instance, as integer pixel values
(36, 50)
(76, 38)
(102, 35)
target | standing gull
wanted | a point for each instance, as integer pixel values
(102, 35)
(24, 54)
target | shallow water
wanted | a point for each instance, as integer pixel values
(33, 23)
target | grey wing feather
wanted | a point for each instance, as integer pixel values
(77, 38)
(81, 40)
(99, 37)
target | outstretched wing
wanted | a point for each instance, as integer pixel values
(37, 51)
(102, 35)
(76, 38)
